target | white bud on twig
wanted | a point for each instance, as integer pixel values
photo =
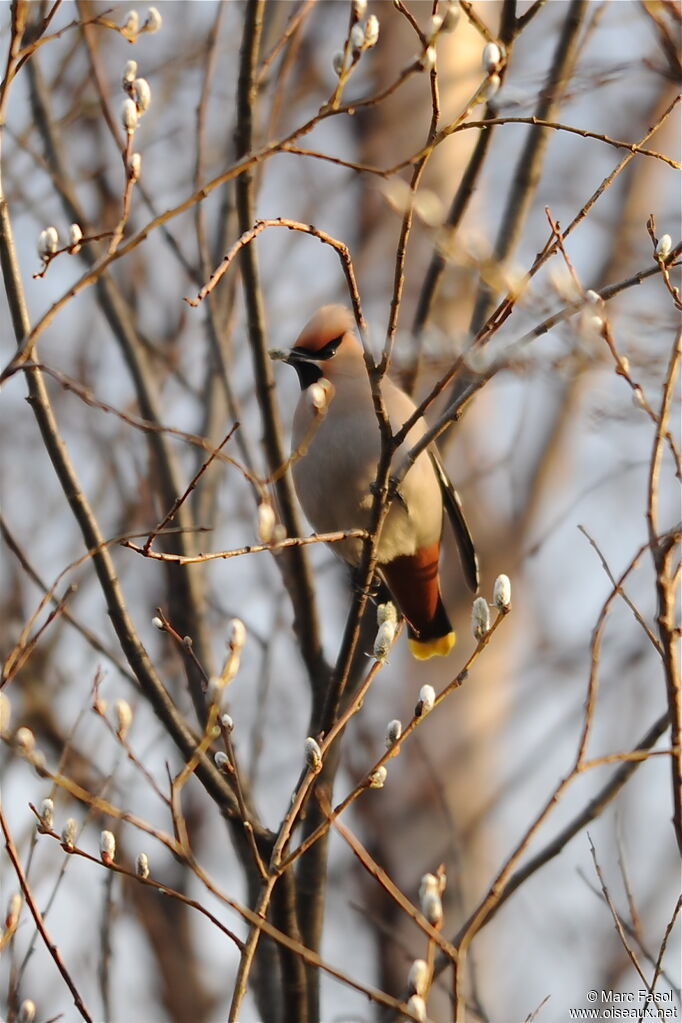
(384, 641)
(265, 522)
(418, 978)
(426, 702)
(227, 722)
(236, 634)
(480, 618)
(450, 16)
(13, 911)
(25, 740)
(427, 61)
(129, 115)
(491, 87)
(394, 730)
(153, 21)
(593, 297)
(491, 58)
(338, 63)
(27, 1011)
(5, 713)
(417, 1006)
(320, 395)
(131, 24)
(313, 754)
(359, 8)
(142, 865)
(664, 246)
(387, 613)
(75, 237)
(434, 26)
(134, 167)
(371, 31)
(107, 847)
(158, 624)
(129, 74)
(378, 777)
(430, 900)
(69, 832)
(48, 242)
(357, 37)
(142, 95)
(124, 718)
(46, 815)
(502, 593)
(221, 761)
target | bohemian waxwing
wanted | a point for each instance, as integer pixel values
(334, 477)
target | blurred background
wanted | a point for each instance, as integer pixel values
(553, 442)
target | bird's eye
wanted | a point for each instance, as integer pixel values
(329, 350)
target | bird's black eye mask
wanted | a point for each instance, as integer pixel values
(305, 362)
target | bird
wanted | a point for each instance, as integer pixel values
(335, 466)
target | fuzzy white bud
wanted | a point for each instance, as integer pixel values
(221, 761)
(107, 847)
(593, 297)
(417, 1006)
(48, 242)
(69, 833)
(378, 777)
(491, 58)
(142, 95)
(129, 115)
(158, 624)
(265, 522)
(434, 26)
(430, 900)
(427, 61)
(27, 1011)
(124, 717)
(313, 754)
(480, 617)
(135, 167)
(371, 31)
(46, 815)
(384, 641)
(418, 978)
(131, 24)
(359, 8)
(451, 16)
(25, 740)
(338, 63)
(491, 87)
(5, 713)
(664, 246)
(75, 236)
(427, 699)
(357, 37)
(236, 634)
(502, 593)
(142, 865)
(387, 613)
(13, 911)
(129, 74)
(153, 21)
(394, 730)
(227, 722)
(320, 395)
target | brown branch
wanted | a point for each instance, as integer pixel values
(39, 922)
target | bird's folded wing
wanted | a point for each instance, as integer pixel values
(453, 506)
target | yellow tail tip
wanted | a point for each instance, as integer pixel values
(440, 647)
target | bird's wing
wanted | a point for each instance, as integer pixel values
(453, 506)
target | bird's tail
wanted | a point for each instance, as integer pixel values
(413, 582)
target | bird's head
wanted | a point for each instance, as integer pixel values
(327, 346)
